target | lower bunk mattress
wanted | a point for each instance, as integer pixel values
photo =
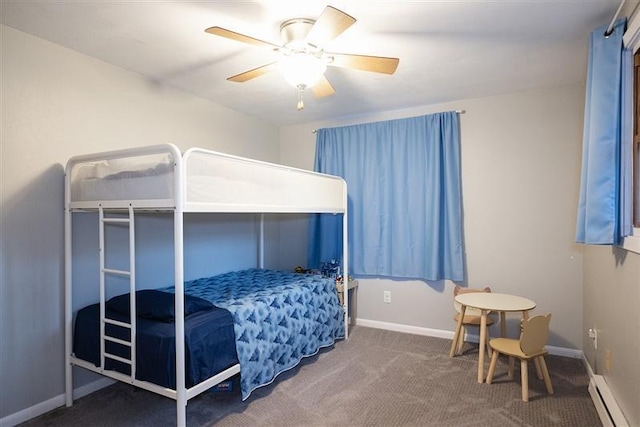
(209, 339)
(265, 320)
(278, 318)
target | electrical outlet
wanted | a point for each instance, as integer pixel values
(607, 360)
(386, 297)
(593, 334)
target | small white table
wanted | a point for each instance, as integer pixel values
(486, 302)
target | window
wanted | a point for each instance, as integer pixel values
(636, 139)
(632, 41)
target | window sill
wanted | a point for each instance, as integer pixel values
(632, 243)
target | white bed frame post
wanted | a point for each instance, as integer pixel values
(345, 263)
(132, 291)
(68, 309)
(178, 236)
(261, 242)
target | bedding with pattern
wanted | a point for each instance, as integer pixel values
(279, 318)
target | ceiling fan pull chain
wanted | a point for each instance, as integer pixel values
(301, 96)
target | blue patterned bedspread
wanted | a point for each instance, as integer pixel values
(279, 318)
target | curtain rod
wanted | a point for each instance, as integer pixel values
(613, 21)
(456, 111)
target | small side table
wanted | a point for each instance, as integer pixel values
(353, 298)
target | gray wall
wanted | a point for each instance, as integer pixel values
(57, 103)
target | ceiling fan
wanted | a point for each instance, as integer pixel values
(303, 58)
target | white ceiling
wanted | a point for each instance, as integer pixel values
(448, 50)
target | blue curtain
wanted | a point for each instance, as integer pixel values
(604, 201)
(405, 202)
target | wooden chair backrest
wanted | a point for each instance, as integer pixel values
(535, 333)
(458, 290)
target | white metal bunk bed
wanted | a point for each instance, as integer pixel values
(161, 178)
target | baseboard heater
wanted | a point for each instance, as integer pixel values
(606, 405)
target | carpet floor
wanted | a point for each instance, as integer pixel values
(376, 378)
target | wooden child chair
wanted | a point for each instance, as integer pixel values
(471, 316)
(531, 345)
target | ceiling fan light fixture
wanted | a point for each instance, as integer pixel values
(302, 69)
(303, 58)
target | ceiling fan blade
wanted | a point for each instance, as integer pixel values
(331, 23)
(376, 64)
(219, 31)
(252, 74)
(322, 88)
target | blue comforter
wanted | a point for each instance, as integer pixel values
(279, 318)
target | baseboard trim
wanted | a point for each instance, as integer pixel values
(397, 327)
(438, 333)
(606, 405)
(53, 403)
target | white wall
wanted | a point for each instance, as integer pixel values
(520, 175)
(57, 103)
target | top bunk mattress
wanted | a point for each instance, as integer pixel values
(200, 181)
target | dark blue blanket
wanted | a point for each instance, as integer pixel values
(209, 345)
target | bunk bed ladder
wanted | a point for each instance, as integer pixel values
(104, 272)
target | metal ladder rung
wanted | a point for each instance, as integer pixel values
(118, 272)
(113, 220)
(118, 358)
(117, 323)
(117, 340)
